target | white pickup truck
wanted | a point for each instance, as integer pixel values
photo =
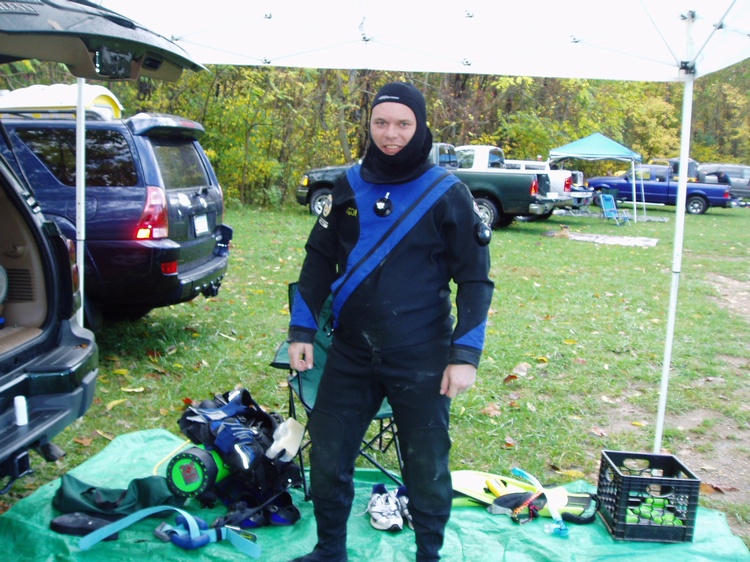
(491, 158)
(561, 181)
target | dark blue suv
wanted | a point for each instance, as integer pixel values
(154, 209)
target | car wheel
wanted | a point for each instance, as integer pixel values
(319, 200)
(487, 212)
(696, 205)
(504, 221)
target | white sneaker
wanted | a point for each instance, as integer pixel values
(401, 498)
(384, 510)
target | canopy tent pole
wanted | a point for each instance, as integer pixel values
(80, 192)
(632, 183)
(679, 233)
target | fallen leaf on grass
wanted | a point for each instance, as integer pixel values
(639, 424)
(510, 442)
(598, 431)
(521, 369)
(510, 378)
(709, 488)
(579, 361)
(85, 441)
(572, 473)
(491, 410)
(107, 436)
(570, 342)
(121, 371)
(116, 403)
(137, 389)
(513, 404)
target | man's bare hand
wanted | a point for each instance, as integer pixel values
(301, 356)
(457, 379)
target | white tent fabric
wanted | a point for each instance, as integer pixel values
(674, 40)
(622, 40)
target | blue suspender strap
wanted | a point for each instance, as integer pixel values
(371, 254)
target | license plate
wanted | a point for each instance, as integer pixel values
(201, 224)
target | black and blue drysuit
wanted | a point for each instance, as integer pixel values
(393, 336)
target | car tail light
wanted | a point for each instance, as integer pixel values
(169, 267)
(154, 221)
(74, 273)
(535, 187)
(568, 184)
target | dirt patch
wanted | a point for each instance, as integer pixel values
(718, 450)
(733, 295)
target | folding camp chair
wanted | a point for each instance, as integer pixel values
(303, 389)
(610, 210)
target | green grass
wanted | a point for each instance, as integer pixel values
(588, 319)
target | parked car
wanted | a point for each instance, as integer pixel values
(561, 181)
(48, 361)
(674, 165)
(737, 176)
(154, 209)
(654, 184)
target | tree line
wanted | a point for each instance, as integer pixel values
(265, 126)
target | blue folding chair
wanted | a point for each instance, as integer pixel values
(610, 210)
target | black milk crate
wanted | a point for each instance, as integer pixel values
(646, 497)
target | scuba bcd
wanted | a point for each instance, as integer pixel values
(236, 458)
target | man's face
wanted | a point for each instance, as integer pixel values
(392, 126)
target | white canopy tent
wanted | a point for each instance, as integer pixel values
(675, 40)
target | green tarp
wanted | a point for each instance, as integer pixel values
(472, 535)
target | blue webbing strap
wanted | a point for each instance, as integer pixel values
(190, 538)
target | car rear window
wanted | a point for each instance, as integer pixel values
(180, 163)
(465, 158)
(109, 161)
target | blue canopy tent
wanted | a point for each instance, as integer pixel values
(599, 147)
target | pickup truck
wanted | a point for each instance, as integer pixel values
(561, 181)
(500, 194)
(654, 184)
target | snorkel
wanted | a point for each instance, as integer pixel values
(558, 526)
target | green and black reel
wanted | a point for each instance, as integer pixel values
(195, 471)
